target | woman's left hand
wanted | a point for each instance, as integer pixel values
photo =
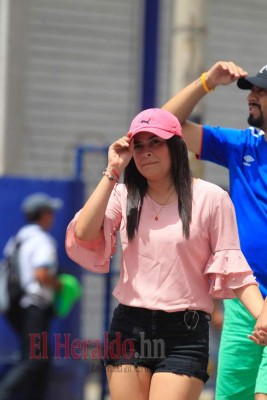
(259, 337)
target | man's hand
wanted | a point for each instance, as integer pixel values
(224, 73)
(44, 277)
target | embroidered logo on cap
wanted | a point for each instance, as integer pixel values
(263, 69)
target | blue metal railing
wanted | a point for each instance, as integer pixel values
(81, 151)
(150, 53)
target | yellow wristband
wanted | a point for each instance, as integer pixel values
(204, 83)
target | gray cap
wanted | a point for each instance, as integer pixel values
(39, 201)
(259, 80)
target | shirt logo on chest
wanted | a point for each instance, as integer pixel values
(248, 160)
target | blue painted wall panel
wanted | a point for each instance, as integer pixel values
(12, 192)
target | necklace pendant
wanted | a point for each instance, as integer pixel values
(156, 218)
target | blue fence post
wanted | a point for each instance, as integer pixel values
(107, 310)
(80, 152)
(150, 53)
(67, 377)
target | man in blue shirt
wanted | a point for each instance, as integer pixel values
(242, 368)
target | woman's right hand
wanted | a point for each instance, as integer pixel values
(120, 153)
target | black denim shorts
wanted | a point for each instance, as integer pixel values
(175, 342)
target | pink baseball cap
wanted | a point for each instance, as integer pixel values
(158, 121)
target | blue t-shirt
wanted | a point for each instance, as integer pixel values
(244, 153)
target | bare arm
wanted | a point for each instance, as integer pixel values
(90, 220)
(251, 298)
(183, 103)
(259, 335)
(262, 319)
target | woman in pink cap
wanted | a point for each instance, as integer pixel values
(180, 249)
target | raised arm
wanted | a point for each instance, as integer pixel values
(183, 103)
(90, 220)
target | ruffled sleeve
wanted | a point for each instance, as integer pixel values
(227, 268)
(95, 255)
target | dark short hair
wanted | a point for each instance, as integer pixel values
(35, 215)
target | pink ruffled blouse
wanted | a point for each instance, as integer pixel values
(160, 268)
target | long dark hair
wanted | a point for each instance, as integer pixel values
(137, 186)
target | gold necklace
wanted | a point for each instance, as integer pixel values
(161, 206)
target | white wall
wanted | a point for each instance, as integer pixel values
(12, 69)
(236, 32)
(76, 79)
